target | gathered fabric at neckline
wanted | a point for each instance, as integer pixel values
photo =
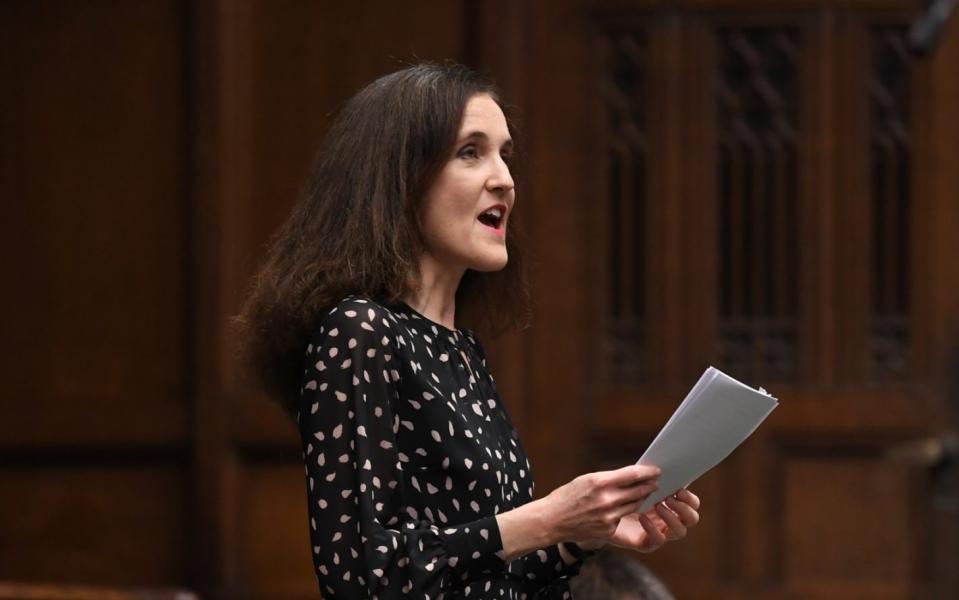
(426, 325)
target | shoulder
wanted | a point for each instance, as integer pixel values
(355, 317)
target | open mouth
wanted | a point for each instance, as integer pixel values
(492, 217)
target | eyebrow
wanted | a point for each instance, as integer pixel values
(481, 135)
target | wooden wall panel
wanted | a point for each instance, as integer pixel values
(725, 73)
(98, 521)
(846, 520)
(95, 159)
(93, 243)
(556, 400)
(93, 485)
(150, 149)
(275, 559)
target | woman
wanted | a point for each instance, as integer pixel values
(417, 483)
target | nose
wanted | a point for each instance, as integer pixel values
(500, 179)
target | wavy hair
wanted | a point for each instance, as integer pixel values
(355, 227)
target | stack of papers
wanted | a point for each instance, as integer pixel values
(716, 416)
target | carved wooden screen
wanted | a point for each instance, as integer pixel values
(757, 100)
(755, 204)
(756, 215)
(624, 226)
(757, 219)
(891, 163)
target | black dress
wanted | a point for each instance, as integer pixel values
(409, 454)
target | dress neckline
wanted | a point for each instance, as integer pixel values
(416, 317)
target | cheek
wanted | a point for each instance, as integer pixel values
(451, 206)
(444, 221)
(441, 227)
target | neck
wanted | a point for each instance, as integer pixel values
(435, 296)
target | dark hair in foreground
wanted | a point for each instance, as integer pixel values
(355, 229)
(613, 576)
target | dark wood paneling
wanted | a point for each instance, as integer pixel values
(94, 329)
(833, 533)
(151, 148)
(93, 522)
(557, 233)
(275, 558)
(774, 500)
(93, 227)
(42, 591)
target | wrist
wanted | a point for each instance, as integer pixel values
(541, 517)
(571, 552)
(524, 529)
(591, 545)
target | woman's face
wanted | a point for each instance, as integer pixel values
(465, 212)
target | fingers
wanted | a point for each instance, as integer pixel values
(630, 508)
(629, 475)
(675, 530)
(654, 537)
(686, 513)
(688, 497)
(680, 509)
(668, 520)
(639, 491)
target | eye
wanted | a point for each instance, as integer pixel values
(507, 157)
(468, 151)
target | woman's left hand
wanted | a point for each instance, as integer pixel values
(668, 520)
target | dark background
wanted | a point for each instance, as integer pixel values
(769, 186)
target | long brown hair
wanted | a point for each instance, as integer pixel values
(355, 228)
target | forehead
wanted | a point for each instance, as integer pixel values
(482, 114)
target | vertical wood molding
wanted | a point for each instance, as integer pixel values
(756, 504)
(822, 122)
(220, 113)
(622, 220)
(561, 343)
(852, 175)
(496, 36)
(941, 211)
(672, 56)
(701, 262)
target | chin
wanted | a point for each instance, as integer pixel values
(488, 264)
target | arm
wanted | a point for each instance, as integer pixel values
(548, 569)
(527, 528)
(365, 540)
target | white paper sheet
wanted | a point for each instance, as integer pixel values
(716, 416)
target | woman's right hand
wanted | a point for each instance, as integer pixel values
(588, 509)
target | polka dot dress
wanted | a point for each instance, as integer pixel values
(409, 456)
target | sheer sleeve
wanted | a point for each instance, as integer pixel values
(546, 575)
(366, 541)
